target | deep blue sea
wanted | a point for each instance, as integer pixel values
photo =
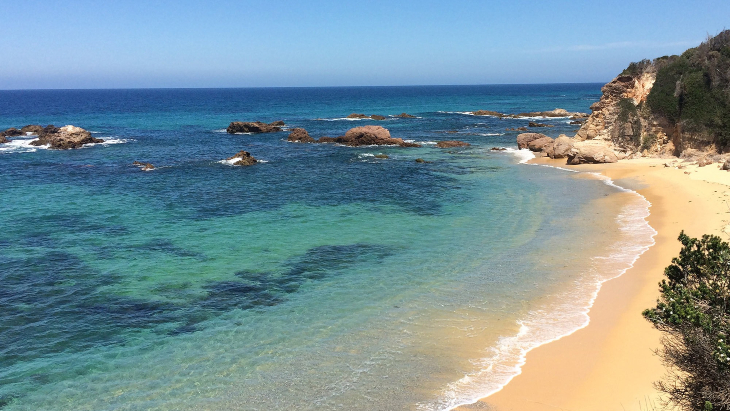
(320, 278)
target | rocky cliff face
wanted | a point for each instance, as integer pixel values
(618, 119)
(668, 105)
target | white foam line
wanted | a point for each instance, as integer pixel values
(496, 372)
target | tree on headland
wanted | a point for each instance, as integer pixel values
(693, 313)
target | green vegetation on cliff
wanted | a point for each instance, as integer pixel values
(693, 90)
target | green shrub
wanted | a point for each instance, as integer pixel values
(693, 314)
(694, 89)
(648, 141)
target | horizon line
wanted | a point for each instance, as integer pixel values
(294, 87)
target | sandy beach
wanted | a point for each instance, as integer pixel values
(610, 364)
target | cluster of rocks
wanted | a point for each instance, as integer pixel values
(558, 112)
(358, 136)
(576, 152)
(59, 138)
(254, 127)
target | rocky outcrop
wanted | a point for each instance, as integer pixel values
(254, 127)
(64, 138)
(558, 112)
(368, 136)
(591, 152)
(144, 166)
(562, 146)
(615, 118)
(12, 132)
(524, 139)
(242, 158)
(533, 124)
(382, 156)
(452, 143)
(300, 135)
(32, 129)
(540, 144)
(365, 116)
(405, 115)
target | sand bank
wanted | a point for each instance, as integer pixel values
(610, 364)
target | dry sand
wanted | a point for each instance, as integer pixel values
(610, 364)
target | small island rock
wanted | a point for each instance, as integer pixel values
(300, 135)
(253, 127)
(242, 158)
(32, 129)
(64, 138)
(144, 166)
(405, 115)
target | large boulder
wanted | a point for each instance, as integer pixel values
(300, 135)
(525, 138)
(368, 136)
(33, 129)
(64, 138)
(591, 152)
(562, 146)
(539, 144)
(242, 158)
(452, 143)
(254, 127)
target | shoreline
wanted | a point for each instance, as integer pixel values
(609, 363)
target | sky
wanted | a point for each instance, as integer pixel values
(64, 44)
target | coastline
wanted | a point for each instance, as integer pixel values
(609, 364)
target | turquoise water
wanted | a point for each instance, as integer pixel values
(322, 278)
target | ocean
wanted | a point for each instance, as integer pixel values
(320, 278)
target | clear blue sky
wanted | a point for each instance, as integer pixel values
(155, 43)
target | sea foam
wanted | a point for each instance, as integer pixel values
(558, 320)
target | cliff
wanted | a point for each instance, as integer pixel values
(668, 105)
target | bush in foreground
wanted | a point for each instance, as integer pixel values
(693, 315)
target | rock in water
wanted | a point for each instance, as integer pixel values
(3, 139)
(144, 166)
(12, 132)
(64, 138)
(591, 152)
(254, 127)
(525, 138)
(358, 115)
(300, 135)
(243, 158)
(539, 144)
(451, 143)
(405, 115)
(368, 136)
(534, 124)
(33, 129)
(382, 156)
(377, 117)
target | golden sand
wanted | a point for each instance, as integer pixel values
(610, 364)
